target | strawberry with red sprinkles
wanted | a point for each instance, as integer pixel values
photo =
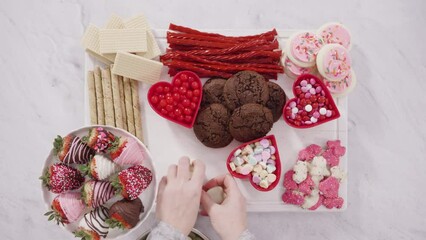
(133, 181)
(59, 178)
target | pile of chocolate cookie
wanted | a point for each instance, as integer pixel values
(243, 107)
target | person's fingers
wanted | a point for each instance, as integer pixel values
(206, 203)
(161, 187)
(183, 169)
(217, 181)
(199, 172)
(171, 172)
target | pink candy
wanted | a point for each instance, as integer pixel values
(306, 186)
(292, 197)
(333, 202)
(331, 158)
(329, 187)
(289, 183)
(310, 152)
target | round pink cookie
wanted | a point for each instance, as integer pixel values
(335, 33)
(333, 62)
(302, 48)
(343, 87)
(293, 71)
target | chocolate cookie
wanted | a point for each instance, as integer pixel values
(276, 100)
(211, 126)
(245, 87)
(213, 91)
(250, 121)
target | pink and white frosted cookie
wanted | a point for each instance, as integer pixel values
(335, 33)
(292, 70)
(302, 48)
(333, 62)
(343, 87)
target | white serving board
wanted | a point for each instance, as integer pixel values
(168, 141)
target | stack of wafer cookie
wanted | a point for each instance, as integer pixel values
(114, 101)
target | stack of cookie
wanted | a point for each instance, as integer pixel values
(243, 107)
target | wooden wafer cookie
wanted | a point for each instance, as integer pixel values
(118, 113)
(136, 109)
(108, 103)
(122, 102)
(99, 96)
(92, 97)
(129, 106)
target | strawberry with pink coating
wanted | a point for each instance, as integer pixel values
(99, 139)
(329, 187)
(288, 182)
(333, 202)
(309, 152)
(126, 151)
(66, 208)
(293, 197)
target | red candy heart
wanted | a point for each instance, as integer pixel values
(313, 104)
(179, 101)
(277, 172)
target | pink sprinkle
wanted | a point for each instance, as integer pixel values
(292, 104)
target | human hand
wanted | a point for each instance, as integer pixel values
(229, 219)
(178, 199)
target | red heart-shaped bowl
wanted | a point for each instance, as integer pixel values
(179, 100)
(277, 171)
(310, 108)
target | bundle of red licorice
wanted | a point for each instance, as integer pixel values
(215, 55)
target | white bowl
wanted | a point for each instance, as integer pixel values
(147, 196)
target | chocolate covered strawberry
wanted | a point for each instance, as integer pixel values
(99, 139)
(96, 193)
(60, 178)
(71, 149)
(100, 168)
(132, 181)
(126, 151)
(66, 208)
(124, 214)
(93, 226)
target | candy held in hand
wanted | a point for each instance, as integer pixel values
(217, 194)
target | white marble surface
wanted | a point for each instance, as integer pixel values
(41, 62)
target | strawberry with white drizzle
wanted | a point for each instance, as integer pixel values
(66, 208)
(100, 168)
(93, 225)
(96, 193)
(126, 151)
(71, 149)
